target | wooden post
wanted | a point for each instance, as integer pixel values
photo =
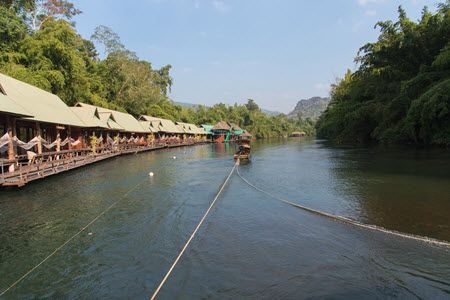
(11, 151)
(38, 134)
(58, 145)
(94, 142)
(11, 154)
(69, 136)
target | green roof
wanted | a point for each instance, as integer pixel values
(9, 106)
(197, 130)
(108, 118)
(188, 128)
(41, 105)
(126, 121)
(164, 124)
(207, 128)
(90, 117)
(149, 125)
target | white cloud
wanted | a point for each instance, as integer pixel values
(197, 4)
(220, 6)
(340, 21)
(370, 12)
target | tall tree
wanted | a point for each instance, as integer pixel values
(43, 10)
(399, 94)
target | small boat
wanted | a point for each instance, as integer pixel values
(243, 152)
(243, 142)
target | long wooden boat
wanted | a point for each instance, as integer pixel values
(243, 152)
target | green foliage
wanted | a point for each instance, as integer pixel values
(400, 92)
(249, 117)
(12, 30)
(39, 48)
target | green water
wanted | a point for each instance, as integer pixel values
(251, 246)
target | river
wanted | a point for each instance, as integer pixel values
(251, 246)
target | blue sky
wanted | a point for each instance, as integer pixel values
(276, 52)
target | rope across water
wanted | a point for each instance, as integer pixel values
(235, 167)
(347, 220)
(70, 239)
(163, 281)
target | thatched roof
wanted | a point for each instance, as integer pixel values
(40, 105)
(222, 125)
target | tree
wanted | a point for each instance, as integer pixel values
(42, 11)
(56, 58)
(19, 6)
(397, 95)
(12, 30)
(109, 39)
(251, 105)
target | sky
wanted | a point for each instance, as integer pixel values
(273, 51)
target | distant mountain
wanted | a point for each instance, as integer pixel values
(310, 108)
(271, 112)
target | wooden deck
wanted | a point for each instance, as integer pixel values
(52, 163)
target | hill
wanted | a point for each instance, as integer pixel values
(271, 112)
(310, 108)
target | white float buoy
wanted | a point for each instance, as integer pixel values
(174, 157)
(150, 174)
(90, 233)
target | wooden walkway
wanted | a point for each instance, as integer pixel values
(53, 163)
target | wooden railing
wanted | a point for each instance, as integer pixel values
(49, 163)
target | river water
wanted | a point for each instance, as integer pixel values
(251, 246)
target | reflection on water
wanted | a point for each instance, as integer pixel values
(250, 246)
(402, 189)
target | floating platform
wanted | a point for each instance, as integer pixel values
(52, 163)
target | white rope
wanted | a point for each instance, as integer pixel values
(69, 240)
(350, 221)
(192, 235)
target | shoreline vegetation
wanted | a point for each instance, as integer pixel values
(41, 46)
(400, 93)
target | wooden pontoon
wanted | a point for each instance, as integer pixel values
(55, 162)
(41, 136)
